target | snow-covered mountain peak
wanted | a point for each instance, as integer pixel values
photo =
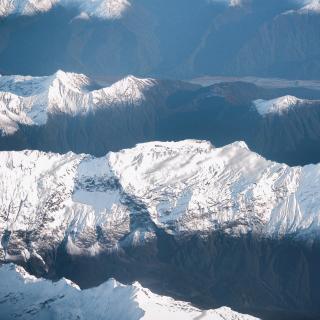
(26, 100)
(184, 188)
(235, 3)
(73, 81)
(279, 105)
(129, 88)
(184, 184)
(240, 144)
(104, 9)
(20, 293)
(311, 6)
(230, 3)
(26, 86)
(25, 7)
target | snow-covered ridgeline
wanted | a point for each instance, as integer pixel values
(280, 105)
(307, 7)
(230, 3)
(28, 100)
(311, 6)
(183, 187)
(104, 9)
(25, 296)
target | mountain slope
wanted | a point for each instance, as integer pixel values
(285, 46)
(171, 216)
(230, 189)
(67, 112)
(24, 295)
(30, 101)
(106, 38)
(227, 112)
(105, 9)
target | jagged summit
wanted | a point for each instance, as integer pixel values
(20, 292)
(278, 105)
(129, 88)
(104, 9)
(307, 7)
(182, 187)
(172, 204)
(30, 86)
(28, 100)
(311, 6)
(235, 3)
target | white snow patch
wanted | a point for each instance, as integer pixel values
(311, 6)
(279, 105)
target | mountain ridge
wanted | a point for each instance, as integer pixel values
(85, 193)
(62, 92)
(67, 111)
(24, 295)
(131, 217)
(104, 9)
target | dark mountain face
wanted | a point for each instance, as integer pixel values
(179, 40)
(285, 47)
(291, 137)
(272, 279)
(222, 113)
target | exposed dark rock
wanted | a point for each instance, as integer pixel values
(274, 279)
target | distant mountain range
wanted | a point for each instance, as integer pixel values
(70, 112)
(180, 39)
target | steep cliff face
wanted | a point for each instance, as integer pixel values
(183, 218)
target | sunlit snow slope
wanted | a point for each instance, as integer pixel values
(99, 204)
(24, 296)
(30, 100)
